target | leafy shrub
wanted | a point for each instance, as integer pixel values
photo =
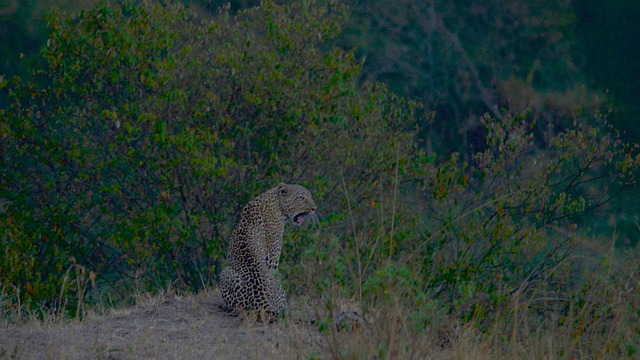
(478, 239)
(135, 145)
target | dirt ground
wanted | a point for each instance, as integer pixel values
(162, 327)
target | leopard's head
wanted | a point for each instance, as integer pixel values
(296, 203)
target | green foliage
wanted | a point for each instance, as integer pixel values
(477, 240)
(24, 273)
(506, 227)
(147, 130)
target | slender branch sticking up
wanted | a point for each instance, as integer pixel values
(355, 235)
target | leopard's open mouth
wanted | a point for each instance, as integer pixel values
(300, 218)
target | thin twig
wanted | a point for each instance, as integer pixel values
(412, 254)
(395, 197)
(355, 235)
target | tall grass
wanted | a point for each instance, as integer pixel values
(588, 309)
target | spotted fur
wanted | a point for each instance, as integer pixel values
(249, 281)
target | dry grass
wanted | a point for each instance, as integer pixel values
(599, 319)
(170, 326)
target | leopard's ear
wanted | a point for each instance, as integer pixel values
(282, 188)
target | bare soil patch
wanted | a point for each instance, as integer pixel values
(162, 327)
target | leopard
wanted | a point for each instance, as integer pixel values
(249, 282)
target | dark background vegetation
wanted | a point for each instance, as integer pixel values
(583, 42)
(466, 156)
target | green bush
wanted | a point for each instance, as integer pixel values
(136, 144)
(477, 239)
